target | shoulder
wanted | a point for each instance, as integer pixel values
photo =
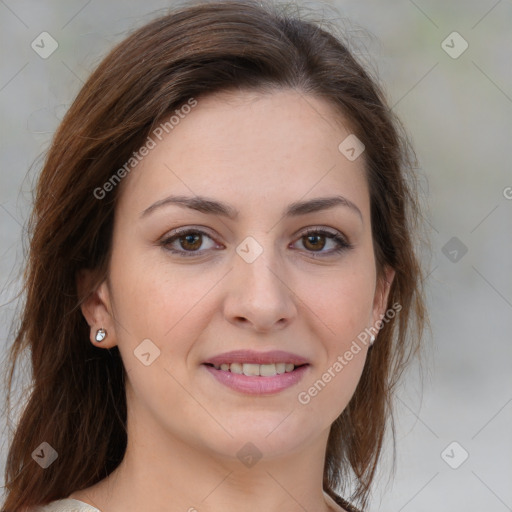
(65, 505)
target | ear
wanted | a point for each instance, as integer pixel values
(382, 293)
(96, 307)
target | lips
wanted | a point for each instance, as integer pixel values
(253, 370)
(259, 358)
(257, 384)
(257, 373)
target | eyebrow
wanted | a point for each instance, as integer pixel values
(213, 207)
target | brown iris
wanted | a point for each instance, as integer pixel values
(192, 245)
(315, 244)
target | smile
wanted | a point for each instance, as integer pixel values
(254, 370)
(257, 379)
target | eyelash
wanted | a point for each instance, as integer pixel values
(342, 244)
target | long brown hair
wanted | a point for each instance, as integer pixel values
(77, 400)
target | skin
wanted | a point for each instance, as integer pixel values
(259, 153)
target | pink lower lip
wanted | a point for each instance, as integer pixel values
(255, 385)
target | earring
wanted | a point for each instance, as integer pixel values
(101, 334)
(372, 340)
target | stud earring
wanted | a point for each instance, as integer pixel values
(101, 334)
(372, 340)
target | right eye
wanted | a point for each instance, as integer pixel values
(190, 240)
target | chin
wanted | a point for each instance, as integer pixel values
(260, 440)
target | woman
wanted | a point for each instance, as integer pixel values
(222, 289)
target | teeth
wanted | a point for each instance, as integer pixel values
(236, 368)
(251, 369)
(267, 370)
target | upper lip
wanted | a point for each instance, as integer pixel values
(252, 357)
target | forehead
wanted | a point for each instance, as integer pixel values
(249, 147)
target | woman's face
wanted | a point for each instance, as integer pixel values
(244, 275)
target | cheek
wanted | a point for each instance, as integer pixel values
(154, 301)
(327, 395)
(343, 309)
(342, 303)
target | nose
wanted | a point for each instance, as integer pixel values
(260, 296)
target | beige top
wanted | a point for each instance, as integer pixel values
(67, 505)
(72, 505)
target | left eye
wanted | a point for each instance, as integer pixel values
(315, 238)
(190, 240)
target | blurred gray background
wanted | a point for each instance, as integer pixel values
(454, 441)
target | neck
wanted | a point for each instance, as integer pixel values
(163, 472)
